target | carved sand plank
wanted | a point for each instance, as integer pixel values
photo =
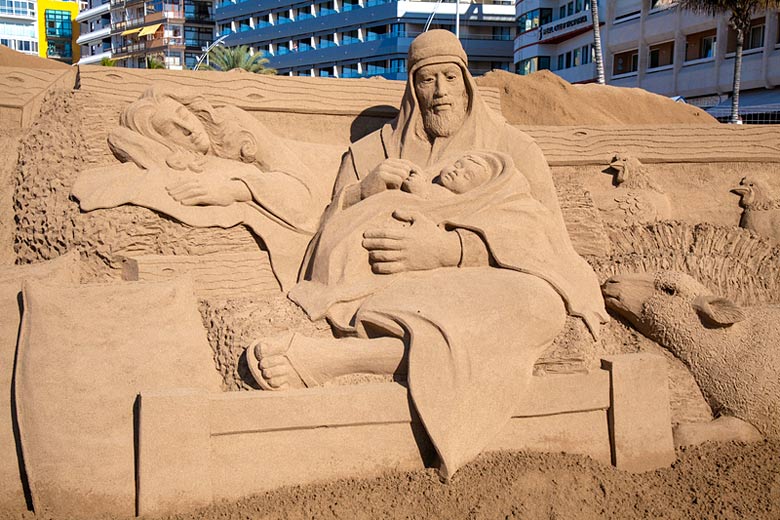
(232, 413)
(215, 276)
(583, 221)
(22, 90)
(578, 145)
(255, 92)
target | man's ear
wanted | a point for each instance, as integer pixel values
(721, 312)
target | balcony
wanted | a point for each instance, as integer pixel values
(157, 44)
(94, 36)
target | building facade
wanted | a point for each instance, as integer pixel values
(19, 25)
(172, 33)
(95, 37)
(654, 45)
(58, 30)
(360, 38)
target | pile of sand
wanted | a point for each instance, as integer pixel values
(11, 58)
(543, 98)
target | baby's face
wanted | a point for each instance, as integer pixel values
(463, 175)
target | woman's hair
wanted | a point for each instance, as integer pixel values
(228, 139)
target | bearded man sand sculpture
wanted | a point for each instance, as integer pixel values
(464, 297)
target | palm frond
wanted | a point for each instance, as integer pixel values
(229, 58)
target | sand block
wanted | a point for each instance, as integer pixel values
(85, 352)
(263, 440)
(214, 276)
(22, 90)
(639, 415)
(579, 145)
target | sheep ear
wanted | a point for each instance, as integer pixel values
(718, 311)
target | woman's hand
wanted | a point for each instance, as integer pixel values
(389, 175)
(420, 246)
(208, 190)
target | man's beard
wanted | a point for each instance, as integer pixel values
(446, 123)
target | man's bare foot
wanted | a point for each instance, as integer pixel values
(272, 365)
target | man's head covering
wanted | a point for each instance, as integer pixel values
(409, 139)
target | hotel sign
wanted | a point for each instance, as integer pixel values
(551, 29)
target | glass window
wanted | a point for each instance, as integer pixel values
(576, 58)
(376, 33)
(283, 17)
(304, 45)
(755, 37)
(398, 65)
(349, 71)
(661, 55)
(530, 65)
(398, 30)
(325, 73)
(58, 24)
(282, 48)
(326, 40)
(570, 9)
(578, 6)
(349, 37)
(625, 62)
(350, 5)
(376, 67)
(243, 25)
(303, 13)
(326, 8)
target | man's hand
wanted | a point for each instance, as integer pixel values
(389, 175)
(207, 190)
(418, 247)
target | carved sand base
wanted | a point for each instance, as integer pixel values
(195, 448)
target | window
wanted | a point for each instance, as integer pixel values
(398, 30)
(586, 54)
(661, 55)
(625, 62)
(224, 29)
(304, 72)
(194, 10)
(349, 71)
(283, 17)
(197, 36)
(397, 65)
(570, 9)
(325, 73)
(499, 65)
(578, 6)
(350, 5)
(533, 19)
(700, 45)
(17, 8)
(376, 33)
(243, 25)
(376, 67)
(282, 48)
(58, 24)
(304, 45)
(326, 8)
(530, 65)
(754, 38)
(562, 12)
(502, 33)
(303, 13)
(350, 37)
(326, 40)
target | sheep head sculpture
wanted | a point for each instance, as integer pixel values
(731, 351)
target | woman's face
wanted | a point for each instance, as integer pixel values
(180, 126)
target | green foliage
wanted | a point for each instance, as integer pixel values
(108, 62)
(153, 62)
(228, 58)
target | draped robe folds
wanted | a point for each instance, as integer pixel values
(473, 333)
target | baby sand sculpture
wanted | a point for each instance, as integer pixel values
(399, 278)
(730, 350)
(761, 208)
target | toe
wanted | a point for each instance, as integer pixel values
(277, 371)
(272, 361)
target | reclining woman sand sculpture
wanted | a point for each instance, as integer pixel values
(463, 298)
(208, 166)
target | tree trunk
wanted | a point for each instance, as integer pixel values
(594, 14)
(737, 77)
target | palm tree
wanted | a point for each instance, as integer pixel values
(740, 17)
(108, 62)
(153, 62)
(228, 58)
(594, 15)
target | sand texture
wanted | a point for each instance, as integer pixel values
(11, 58)
(543, 98)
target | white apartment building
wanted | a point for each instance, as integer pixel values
(657, 46)
(19, 25)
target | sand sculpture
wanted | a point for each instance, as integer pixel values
(444, 210)
(729, 349)
(761, 207)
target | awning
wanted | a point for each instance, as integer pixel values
(130, 31)
(151, 29)
(756, 101)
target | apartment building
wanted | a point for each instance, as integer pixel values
(657, 46)
(173, 32)
(58, 30)
(555, 35)
(360, 38)
(19, 25)
(95, 37)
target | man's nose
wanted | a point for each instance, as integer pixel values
(442, 88)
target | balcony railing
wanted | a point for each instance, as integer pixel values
(148, 45)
